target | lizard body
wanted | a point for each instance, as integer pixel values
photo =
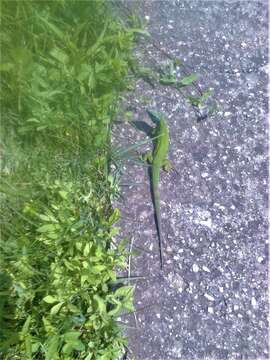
(158, 159)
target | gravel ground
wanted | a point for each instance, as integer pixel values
(211, 301)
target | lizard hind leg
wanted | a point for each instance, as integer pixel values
(167, 165)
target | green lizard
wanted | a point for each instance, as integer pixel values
(158, 159)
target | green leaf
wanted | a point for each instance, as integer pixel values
(67, 348)
(86, 250)
(63, 194)
(74, 309)
(71, 336)
(140, 31)
(125, 294)
(28, 347)
(84, 278)
(188, 79)
(21, 56)
(59, 55)
(99, 40)
(73, 345)
(72, 342)
(50, 299)
(172, 70)
(52, 27)
(194, 101)
(47, 218)
(116, 310)
(52, 352)
(44, 217)
(33, 120)
(46, 228)
(55, 309)
(78, 345)
(52, 235)
(114, 216)
(91, 80)
(85, 72)
(177, 62)
(47, 326)
(101, 304)
(199, 101)
(35, 346)
(124, 291)
(166, 80)
(26, 326)
(98, 268)
(6, 67)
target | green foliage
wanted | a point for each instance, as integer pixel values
(63, 66)
(69, 74)
(169, 76)
(59, 268)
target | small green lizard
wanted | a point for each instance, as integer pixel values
(158, 159)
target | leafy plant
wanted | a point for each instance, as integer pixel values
(63, 67)
(60, 268)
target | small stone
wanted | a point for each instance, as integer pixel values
(205, 268)
(253, 301)
(207, 222)
(209, 297)
(195, 268)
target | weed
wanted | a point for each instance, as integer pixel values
(62, 67)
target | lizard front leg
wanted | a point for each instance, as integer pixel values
(148, 157)
(167, 166)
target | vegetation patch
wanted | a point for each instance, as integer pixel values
(63, 66)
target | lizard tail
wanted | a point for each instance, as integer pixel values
(158, 225)
(156, 202)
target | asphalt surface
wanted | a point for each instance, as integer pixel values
(211, 302)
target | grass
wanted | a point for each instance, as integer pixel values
(63, 66)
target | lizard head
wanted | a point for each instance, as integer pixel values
(156, 116)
